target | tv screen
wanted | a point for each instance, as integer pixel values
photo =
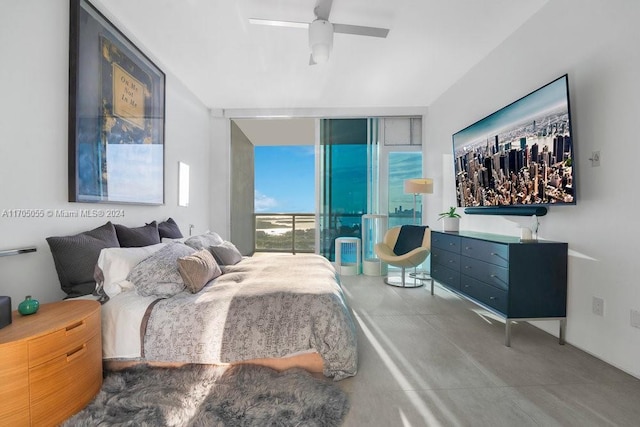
(521, 155)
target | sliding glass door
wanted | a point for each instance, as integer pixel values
(348, 175)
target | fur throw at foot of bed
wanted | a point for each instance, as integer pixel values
(201, 395)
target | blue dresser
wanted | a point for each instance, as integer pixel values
(515, 280)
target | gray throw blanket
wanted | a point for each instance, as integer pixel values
(262, 307)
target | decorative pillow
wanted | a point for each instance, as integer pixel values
(138, 236)
(75, 257)
(203, 241)
(226, 253)
(169, 229)
(115, 264)
(198, 269)
(158, 275)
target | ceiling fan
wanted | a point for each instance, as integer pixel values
(321, 30)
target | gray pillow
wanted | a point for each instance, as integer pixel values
(169, 229)
(203, 241)
(75, 257)
(158, 275)
(138, 236)
(226, 253)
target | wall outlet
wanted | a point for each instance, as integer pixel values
(635, 318)
(595, 158)
(598, 306)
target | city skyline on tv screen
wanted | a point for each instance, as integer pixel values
(520, 155)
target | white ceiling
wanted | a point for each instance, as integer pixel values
(228, 63)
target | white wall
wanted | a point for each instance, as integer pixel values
(595, 42)
(34, 43)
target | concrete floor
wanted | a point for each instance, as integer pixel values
(440, 361)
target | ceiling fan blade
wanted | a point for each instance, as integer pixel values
(311, 61)
(275, 23)
(323, 9)
(360, 31)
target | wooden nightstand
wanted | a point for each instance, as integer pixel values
(50, 363)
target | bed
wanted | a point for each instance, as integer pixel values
(280, 311)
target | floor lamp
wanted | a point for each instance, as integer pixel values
(417, 186)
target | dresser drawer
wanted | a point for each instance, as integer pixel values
(485, 272)
(486, 294)
(494, 253)
(64, 385)
(445, 241)
(448, 259)
(60, 342)
(446, 276)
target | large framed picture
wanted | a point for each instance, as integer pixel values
(116, 114)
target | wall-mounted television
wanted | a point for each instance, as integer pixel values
(520, 156)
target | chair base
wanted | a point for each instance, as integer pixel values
(398, 282)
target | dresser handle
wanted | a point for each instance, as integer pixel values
(467, 286)
(492, 275)
(493, 298)
(467, 267)
(466, 248)
(494, 254)
(76, 327)
(74, 354)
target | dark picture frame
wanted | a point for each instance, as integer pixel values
(116, 114)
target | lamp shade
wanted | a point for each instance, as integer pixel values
(320, 40)
(418, 186)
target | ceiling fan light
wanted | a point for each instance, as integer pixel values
(320, 40)
(320, 53)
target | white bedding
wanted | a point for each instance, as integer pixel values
(123, 313)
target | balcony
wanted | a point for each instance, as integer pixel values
(296, 232)
(291, 233)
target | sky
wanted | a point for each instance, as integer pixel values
(285, 179)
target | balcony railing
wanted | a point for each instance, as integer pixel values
(296, 232)
(293, 233)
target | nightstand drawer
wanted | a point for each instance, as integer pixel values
(14, 378)
(494, 253)
(60, 342)
(486, 294)
(65, 384)
(491, 274)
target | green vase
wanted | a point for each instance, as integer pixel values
(28, 306)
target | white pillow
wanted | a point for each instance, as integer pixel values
(116, 263)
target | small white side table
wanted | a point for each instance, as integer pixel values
(348, 256)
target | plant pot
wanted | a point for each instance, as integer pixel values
(450, 224)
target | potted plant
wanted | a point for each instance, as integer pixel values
(450, 220)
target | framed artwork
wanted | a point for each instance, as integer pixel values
(116, 114)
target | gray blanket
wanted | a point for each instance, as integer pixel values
(262, 307)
